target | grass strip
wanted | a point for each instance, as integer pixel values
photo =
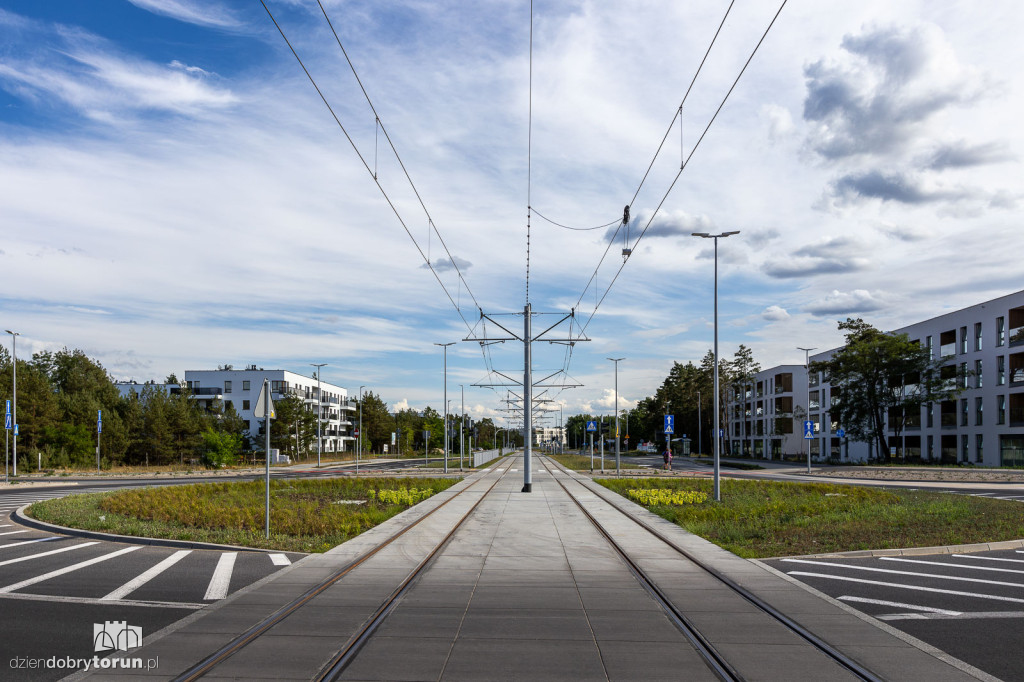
(305, 515)
(759, 519)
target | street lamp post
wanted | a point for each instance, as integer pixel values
(807, 372)
(718, 426)
(616, 361)
(445, 403)
(462, 420)
(14, 417)
(359, 441)
(700, 449)
(319, 409)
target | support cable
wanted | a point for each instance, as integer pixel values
(398, 157)
(366, 165)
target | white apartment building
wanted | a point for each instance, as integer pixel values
(984, 425)
(241, 388)
(548, 434)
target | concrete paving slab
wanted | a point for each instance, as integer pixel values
(421, 659)
(542, 623)
(429, 622)
(634, 626)
(516, 660)
(626, 660)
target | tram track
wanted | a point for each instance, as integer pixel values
(351, 648)
(715, 660)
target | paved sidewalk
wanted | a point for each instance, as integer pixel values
(528, 589)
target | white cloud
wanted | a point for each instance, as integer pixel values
(774, 313)
(204, 14)
(846, 303)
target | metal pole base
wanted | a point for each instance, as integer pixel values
(527, 488)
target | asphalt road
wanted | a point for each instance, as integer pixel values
(969, 605)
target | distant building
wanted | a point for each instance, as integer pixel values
(241, 388)
(548, 434)
(983, 425)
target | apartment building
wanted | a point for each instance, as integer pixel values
(984, 425)
(241, 388)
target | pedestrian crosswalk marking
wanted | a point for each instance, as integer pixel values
(280, 560)
(221, 580)
(146, 576)
(67, 569)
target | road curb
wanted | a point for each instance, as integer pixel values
(18, 516)
(909, 551)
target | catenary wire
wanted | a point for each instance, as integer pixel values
(687, 161)
(398, 157)
(578, 229)
(369, 170)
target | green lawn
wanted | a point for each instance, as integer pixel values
(306, 515)
(766, 518)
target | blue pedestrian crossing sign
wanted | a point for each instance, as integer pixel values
(99, 421)
(7, 421)
(670, 423)
(841, 433)
(8, 407)
(592, 426)
(808, 430)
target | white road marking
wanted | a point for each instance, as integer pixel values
(910, 573)
(897, 605)
(902, 616)
(980, 494)
(13, 532)
(6, 525)
(42, 554)
(66, 569)
(513, 470)
(943, 563)
(146, 576)
(280, 560)
(901, 586)
(221, 580)
(91, 600)
(987, 558)
(27, 542)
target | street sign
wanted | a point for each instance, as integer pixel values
(8, 407)
(592, 426)
(808, 430)
(15, 429)
(264, 405)
(355, 433)
(841, 433)
(99, 421)
(393, 437)
(7, 421)
(670, 423)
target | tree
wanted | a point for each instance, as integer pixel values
(220, 448)
(377, 423)
(743, 368)
(878, 375)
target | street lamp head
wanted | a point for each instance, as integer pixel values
(616, 359)
(450, 343)
(727, 234)
(700, 234)
(12, 333)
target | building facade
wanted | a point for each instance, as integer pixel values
(241, 388)
(983, 425)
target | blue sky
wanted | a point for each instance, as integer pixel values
(176, 196)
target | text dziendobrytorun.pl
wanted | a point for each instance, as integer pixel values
(94, 663)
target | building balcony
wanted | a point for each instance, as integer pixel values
(207, 393)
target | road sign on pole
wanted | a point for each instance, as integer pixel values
(808, 430)
(670, 423)
(264, 404)
(841, 433)
(592, 426)
(7, 421)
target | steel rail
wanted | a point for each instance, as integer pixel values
(336, 666)
(241, 641)
(838, 656)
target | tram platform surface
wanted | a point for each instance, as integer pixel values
(528, 589)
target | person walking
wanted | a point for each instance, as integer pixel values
(667, 456)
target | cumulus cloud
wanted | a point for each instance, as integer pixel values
(779, 120)
(845, 303)
(961, 154)
(888, 81)
(903, 233)
(667, 224)
(445, 264)
(775, 313)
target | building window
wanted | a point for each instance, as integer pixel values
(1000, 409)
(977, 374)
(979, 449)
(965, 443)
(963, 374)
(963, 340)
(1000, 370)
(227, 387)
(929, 410)
(1000, 331)
(977, 336)
(978, 404)
(245, 385)
(245, 405)
(928, 345)
(812, 379)
(963, 412)
(931, 446)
